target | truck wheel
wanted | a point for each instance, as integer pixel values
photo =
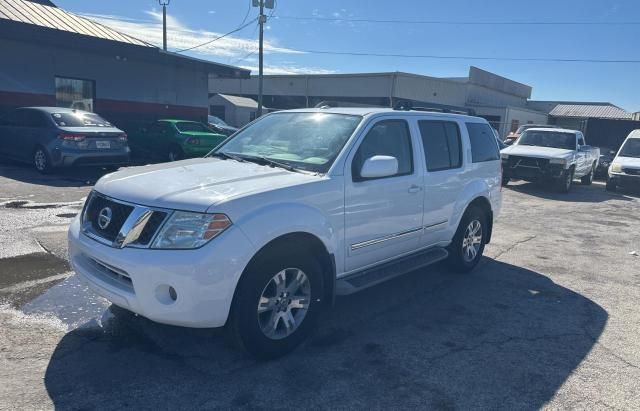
(175, 153)
(588, 179)
(505, 181)
(468, 244)
(276, 304)
(565, 181)
(611, 185)
(41, 161)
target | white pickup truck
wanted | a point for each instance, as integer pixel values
(292, 210)
(550, 154)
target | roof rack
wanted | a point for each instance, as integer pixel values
(408, 106)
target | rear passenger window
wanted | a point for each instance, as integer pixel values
(484, 146)
(386, 138)
(441, 141)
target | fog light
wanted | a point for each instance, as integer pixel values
(172, 293)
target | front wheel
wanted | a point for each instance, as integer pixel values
(505, 181)
(565, 181)
(277, 303)
(611, 185)
(468, 244)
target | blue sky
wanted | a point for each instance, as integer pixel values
(195, 21)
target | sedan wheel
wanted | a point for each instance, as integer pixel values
(41, 161)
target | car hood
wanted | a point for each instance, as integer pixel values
(627, 161)
(536, 151)
(195, 184)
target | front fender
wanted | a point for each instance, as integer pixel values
(267, 223)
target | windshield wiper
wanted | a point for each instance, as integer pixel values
(275, 163)
(227, 155)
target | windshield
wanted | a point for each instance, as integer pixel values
(307, 141)
(631, 148)
(217, 121)
(79, 120)
(185, 126)
(553, 139)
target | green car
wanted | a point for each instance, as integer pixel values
(173, 140)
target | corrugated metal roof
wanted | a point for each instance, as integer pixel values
(590, 111)
(240, 101)
(29, 12)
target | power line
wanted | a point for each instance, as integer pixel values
(217, 38)
(473, 23)
(429, 56)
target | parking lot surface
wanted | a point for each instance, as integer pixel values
(549, 319)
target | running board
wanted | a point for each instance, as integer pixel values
(376, 275)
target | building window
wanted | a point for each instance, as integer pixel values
(75, 93)
(514, 125)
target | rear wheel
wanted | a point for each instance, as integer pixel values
(588, 179)
(468, 244)
(41, 161)
(175, 153)
(276, 304)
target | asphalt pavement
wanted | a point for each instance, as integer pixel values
(549, 319)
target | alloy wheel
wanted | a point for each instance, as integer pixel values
(284, 303)
(40, 160)
(472, 241)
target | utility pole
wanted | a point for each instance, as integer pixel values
(261, 20)
(164, 4)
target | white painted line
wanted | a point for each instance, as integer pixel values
(32, 283)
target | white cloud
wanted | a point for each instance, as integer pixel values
(287, 69)
(180, 36)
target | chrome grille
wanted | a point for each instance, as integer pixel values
(129, 224)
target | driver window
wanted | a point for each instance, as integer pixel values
(386, 138)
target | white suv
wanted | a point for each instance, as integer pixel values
(294, 209)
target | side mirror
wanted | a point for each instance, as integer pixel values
(379, 166)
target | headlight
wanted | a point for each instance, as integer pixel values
(558, 161)
(616, 168)
(190, 230)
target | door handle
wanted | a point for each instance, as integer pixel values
(415, 188)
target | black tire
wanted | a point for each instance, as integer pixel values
(505, 181)
(458, 259)
(565, 182)
(41, 160)
(175, 153)
(611, 185)
(588, 179)
(244, 325)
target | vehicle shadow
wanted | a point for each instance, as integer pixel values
(502, 337)
(61, 177)
(594, 193)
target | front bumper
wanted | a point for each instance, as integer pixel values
(62, 157)
(138, 280)
(545, 172)
(625, 180)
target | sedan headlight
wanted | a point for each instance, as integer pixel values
(558, 161)
(616, 168)
(186, 230)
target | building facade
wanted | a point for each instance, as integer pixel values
(55, 58)
(501, 101)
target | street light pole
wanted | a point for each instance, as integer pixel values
(261, 20)
(269, 4)
(164, 4)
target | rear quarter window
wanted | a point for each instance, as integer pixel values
(484, 146)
